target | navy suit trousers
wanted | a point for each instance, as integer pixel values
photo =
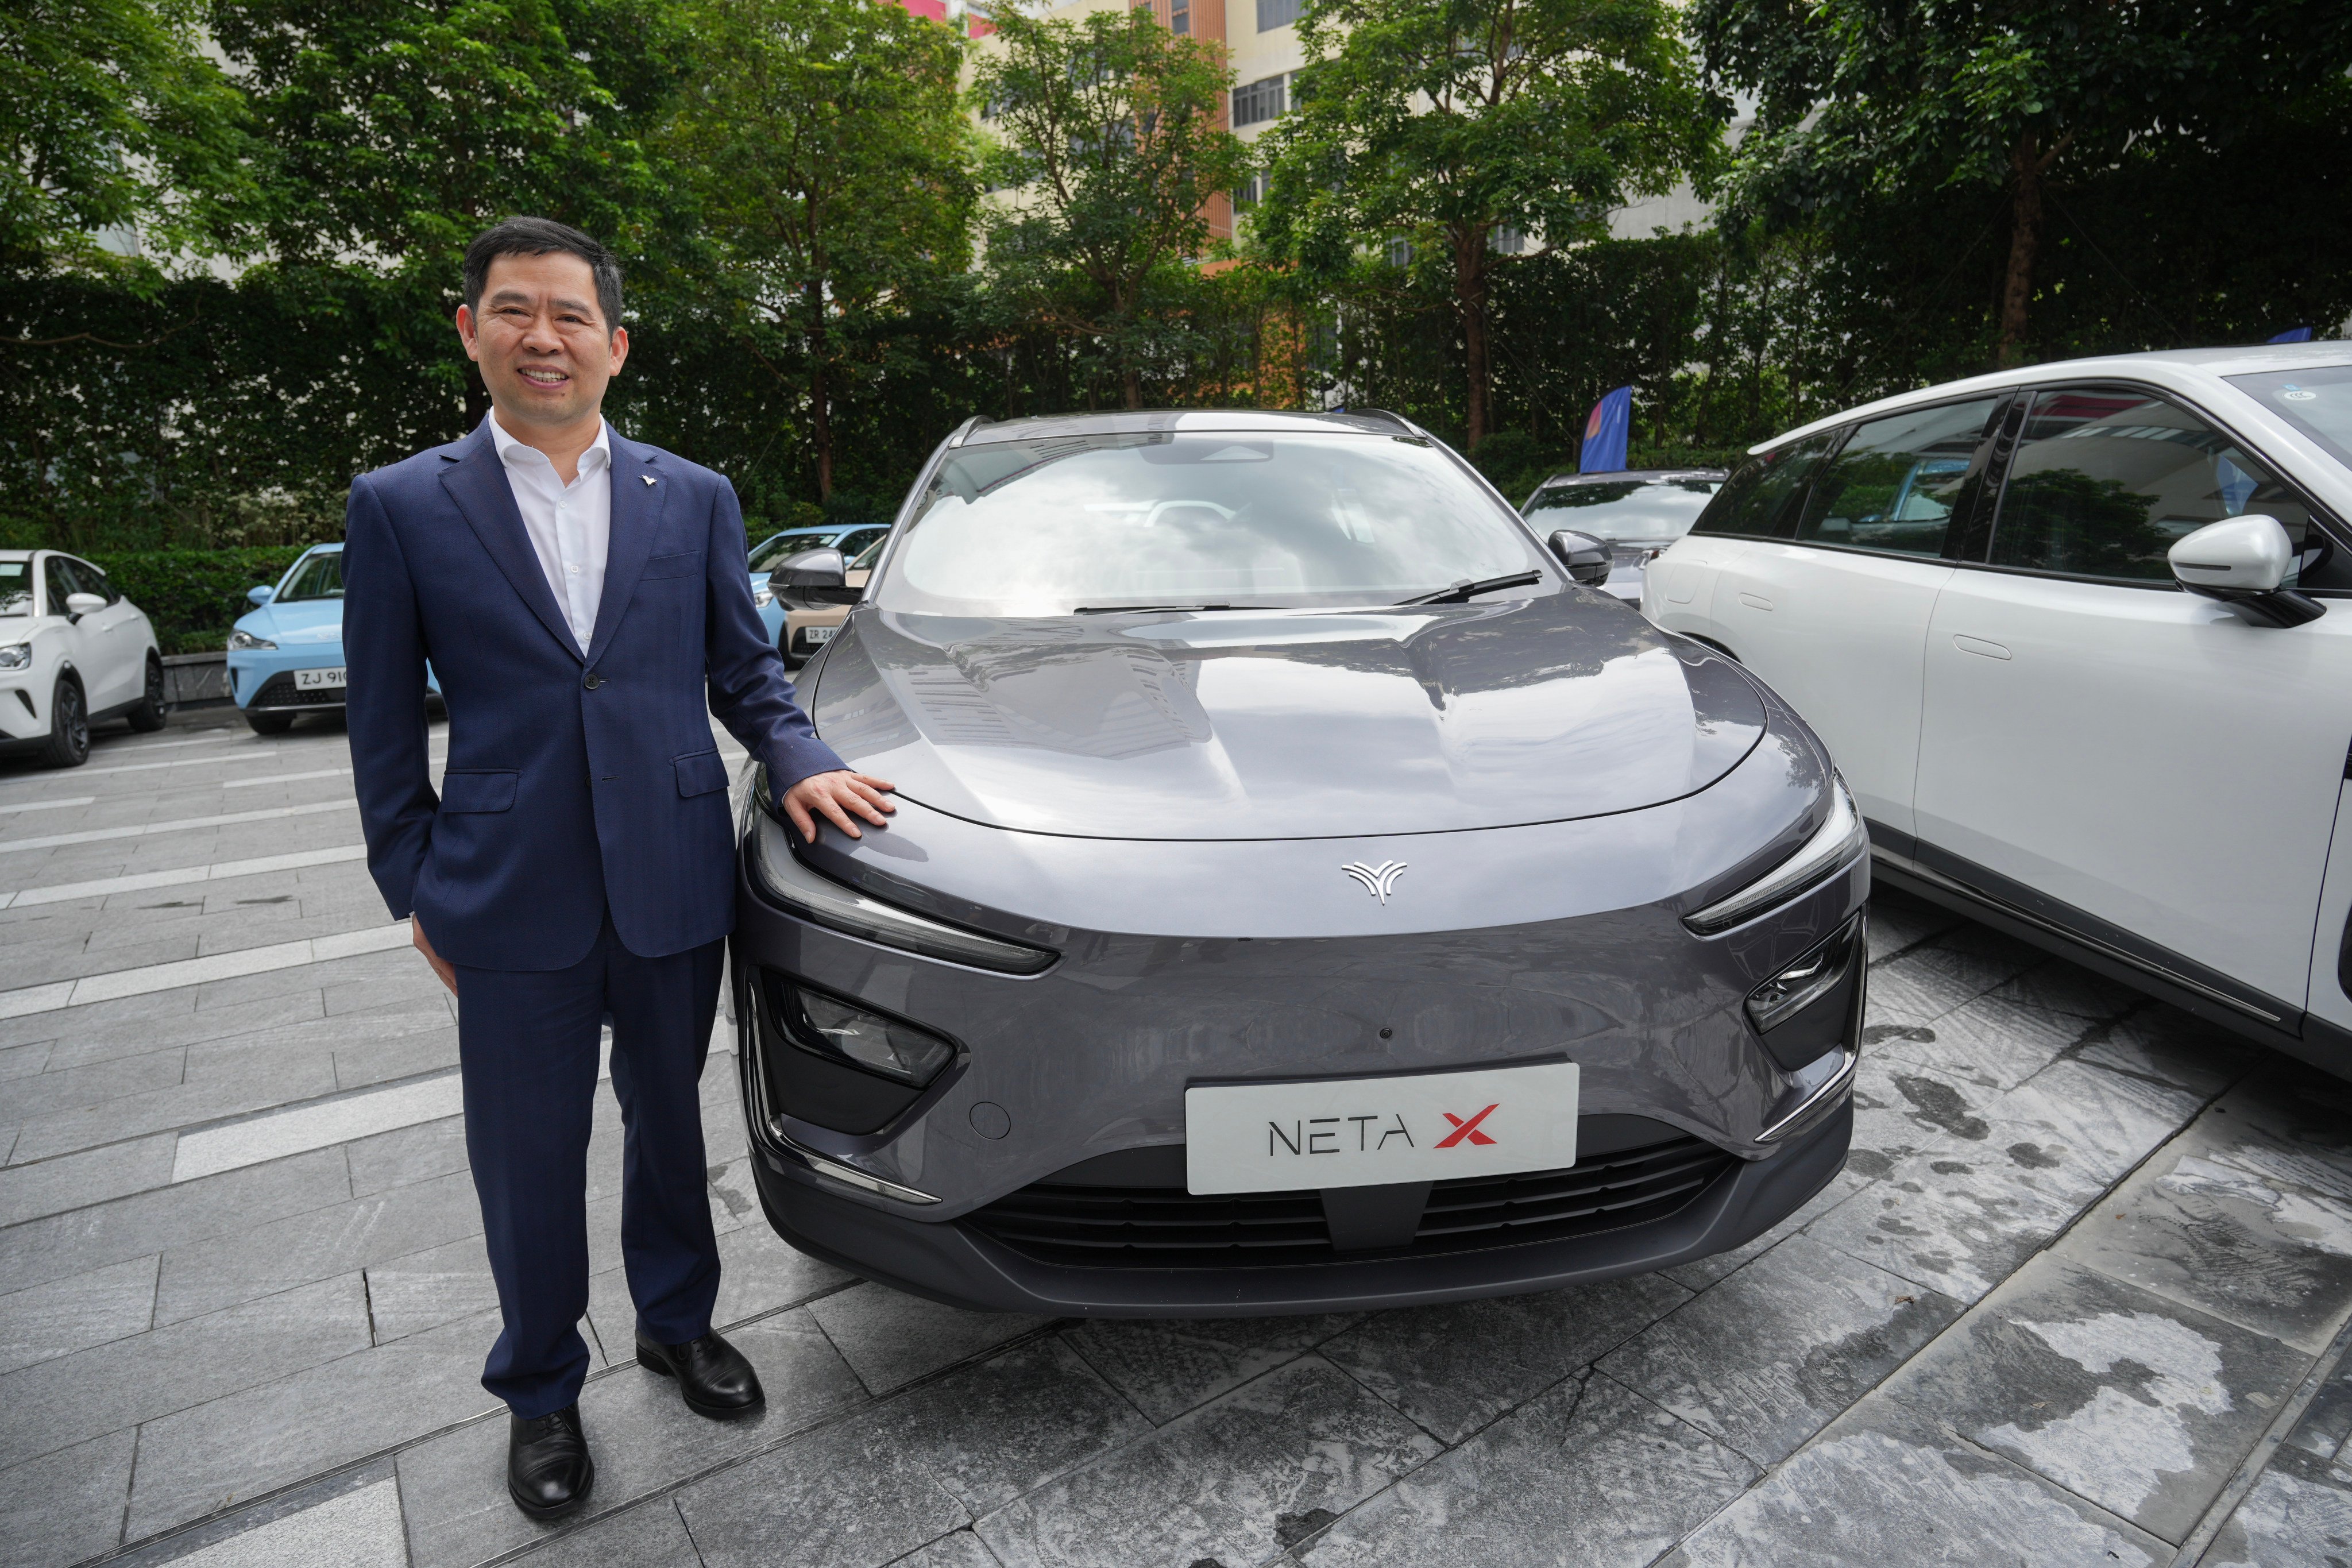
(526, 1040)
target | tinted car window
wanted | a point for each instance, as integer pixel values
(854, 542)
(1762, 496)
(316, 577)
(2318, 402)
(2105, 480)
(15, 587)
(1623, 509)
(786, 545)
(1053, 524)
(60, 574)
(1896, 481)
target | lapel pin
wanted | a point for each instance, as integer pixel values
(647, 477)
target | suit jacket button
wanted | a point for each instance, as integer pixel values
(593, 680)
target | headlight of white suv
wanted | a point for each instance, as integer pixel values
(246, 642)
(17, 655)
(763, 595)
(1832, 848)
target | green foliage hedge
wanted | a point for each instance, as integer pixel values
(195, 596)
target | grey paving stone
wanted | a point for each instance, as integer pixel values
(1228, 1481)
(2131, 1401)
(76, 1180)
(891, 1338)
(110, 1029)
(18, 1061)
(1168, 1366)
(829, 1499)
(66, 1506)
(396, 1057)
(338, 1239)
(2058, 986)
(1775, 1353)
(1587, 1476)
(643, 1435)
(2299, 1515)
(270, 1435)
(424, 1290)
(68, 1315)
(2165, 1044)
(2095, 1122)
(1901, 1107)
(1957, 1225)
(1930, 980)
(357, 1529)
(183, 1105)
(1898, 921)
(93, 1084)
(407, 1155)
(652, 1536)
(961, 1550)
(759, 1272)
(1453, 1369)
(57, 1403)
(1705, 1271)
(2326, 1422)
(2212, 1229)
(1883, 1485)
(1991, 1042)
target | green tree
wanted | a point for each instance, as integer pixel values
(1108, 156)
(2018, 98)
(1443, 123)
(833, 167)
(112, 119)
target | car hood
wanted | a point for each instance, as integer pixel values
(300, 624)
(1285, 724)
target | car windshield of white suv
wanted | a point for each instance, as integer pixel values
(1614, 510)
(2317, 400)
(15, 587)
(1075, 525)
(317, 578)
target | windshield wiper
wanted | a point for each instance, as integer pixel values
(1465, 590)
(1139, 609)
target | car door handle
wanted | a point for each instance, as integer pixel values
(1979, 647)
(1754, 601)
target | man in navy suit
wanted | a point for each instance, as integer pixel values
(584, 602)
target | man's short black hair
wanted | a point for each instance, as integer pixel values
(541, 236)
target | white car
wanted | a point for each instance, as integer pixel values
(73, 651)
(2079, 639)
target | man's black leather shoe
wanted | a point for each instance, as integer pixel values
(549, 1472)
(712, 1375)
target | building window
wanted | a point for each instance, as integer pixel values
(1249, 193)
(1400, 253)
(1505, 240)
(1180, 16)
(1259, 101)
(1273, 13)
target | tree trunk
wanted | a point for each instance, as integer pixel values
(1470, 304)
(820, 413)
(2026, 163)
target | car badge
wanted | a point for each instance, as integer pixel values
(1379, 880)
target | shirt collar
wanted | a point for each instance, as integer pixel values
(514, 453)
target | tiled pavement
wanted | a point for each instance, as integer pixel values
(2080, 1296)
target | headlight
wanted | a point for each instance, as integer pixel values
(824, 902)
(889, 1047)
(246, 642)
(17, 655)
(763, 595)
(1822, 856)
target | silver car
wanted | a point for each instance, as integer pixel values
(1637, 513)
(1305, 894)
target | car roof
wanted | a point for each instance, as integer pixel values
(2190, 365)
(1185, 421)
(1618, 476)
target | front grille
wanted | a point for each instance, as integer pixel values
(279, 691)
(1162, 1227)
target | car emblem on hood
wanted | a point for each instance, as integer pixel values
(1379, 880)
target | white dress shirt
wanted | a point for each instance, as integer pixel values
(570, 526)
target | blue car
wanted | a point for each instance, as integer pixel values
(286, 658)
(848, 539)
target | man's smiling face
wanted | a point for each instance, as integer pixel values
(545, 350)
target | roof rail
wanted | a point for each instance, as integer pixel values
(1399, 419)
(967, 427)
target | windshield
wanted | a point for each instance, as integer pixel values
(15, 587)
(1612, 510)
(314, 577)
(784, 546)
(1058, 525)
(2317, 400)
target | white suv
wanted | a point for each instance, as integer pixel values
(73, 650)
(2080, 637)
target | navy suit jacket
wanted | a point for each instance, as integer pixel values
(576, 783)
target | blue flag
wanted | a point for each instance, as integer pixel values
(2293, 335)
(1605, 431)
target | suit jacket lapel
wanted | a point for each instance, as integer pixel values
(477, 483)
(636, 521)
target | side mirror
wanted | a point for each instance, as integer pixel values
(80, 604)
(260, 595)
(815, 576)
(2243, 562)
(1586, 558)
